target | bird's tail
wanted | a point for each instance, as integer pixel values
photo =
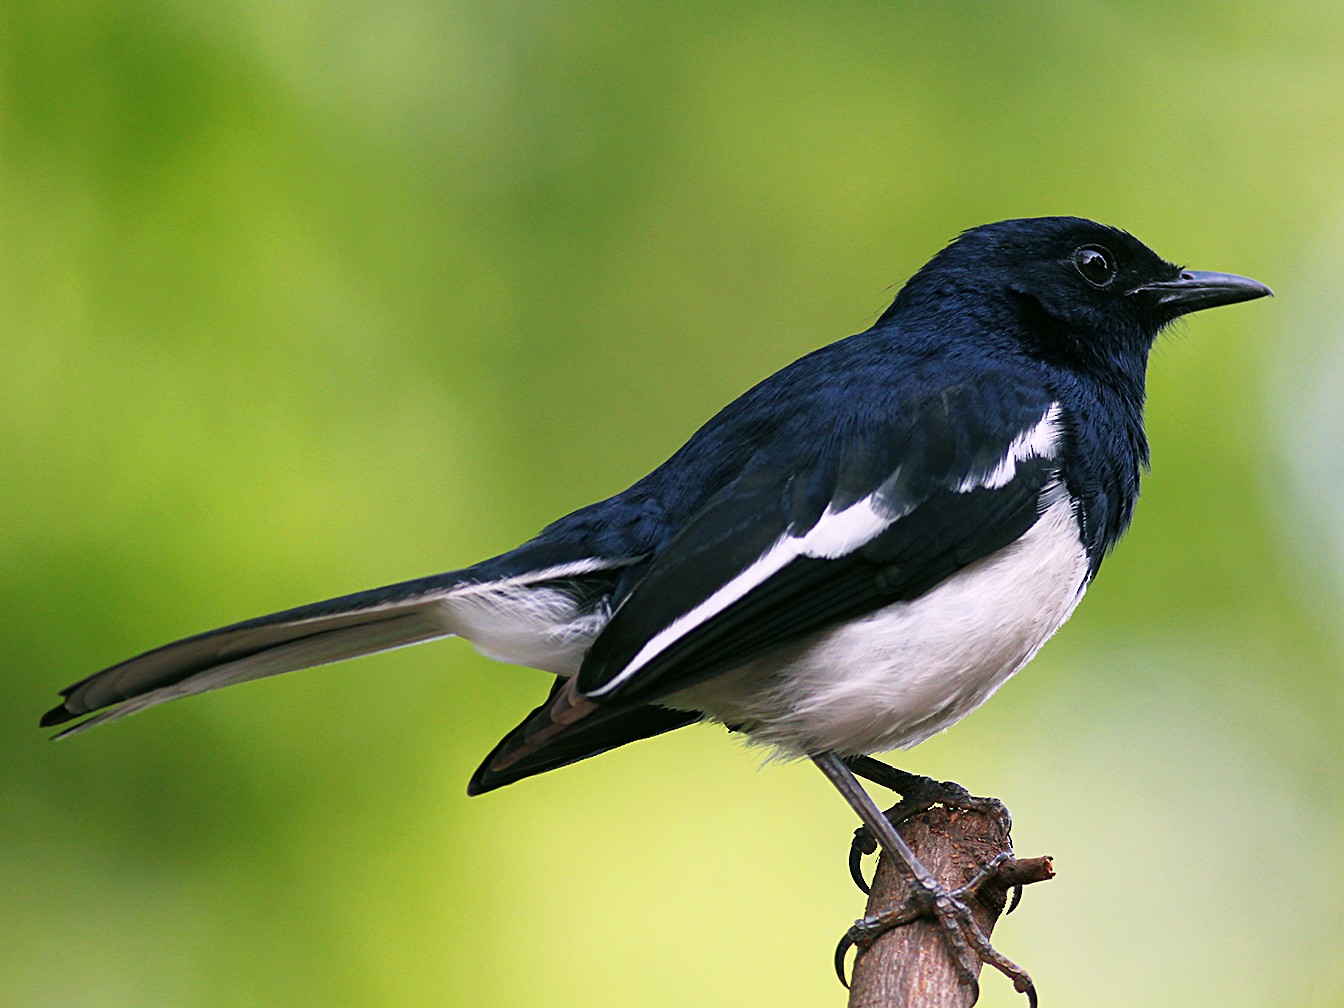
(299, 638)
(544, 616)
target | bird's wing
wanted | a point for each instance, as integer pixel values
(896, 508)
(892, 509)
(521, 606)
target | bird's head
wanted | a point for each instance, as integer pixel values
(1070, 289)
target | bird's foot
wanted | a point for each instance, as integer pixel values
(970, 946)
(918, 794)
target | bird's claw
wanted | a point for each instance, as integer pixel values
(970, 946)
(867, 930)
(863, 843)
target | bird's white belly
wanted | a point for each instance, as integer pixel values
(894, 678)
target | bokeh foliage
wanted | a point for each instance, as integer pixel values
(301, 298)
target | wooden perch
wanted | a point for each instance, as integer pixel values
(912, 966)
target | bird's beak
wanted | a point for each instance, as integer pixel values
(1195, 290)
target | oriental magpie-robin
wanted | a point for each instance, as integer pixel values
(850, 557)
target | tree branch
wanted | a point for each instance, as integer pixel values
(912, 966)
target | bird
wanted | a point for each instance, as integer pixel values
(845, 560)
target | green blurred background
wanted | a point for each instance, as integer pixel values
(297, 299)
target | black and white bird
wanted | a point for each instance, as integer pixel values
(847, 559)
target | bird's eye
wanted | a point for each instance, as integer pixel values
(1095, 264)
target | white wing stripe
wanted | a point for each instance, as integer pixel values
(1038, 441)
(770, 562)
(834, 535)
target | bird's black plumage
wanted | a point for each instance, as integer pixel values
(912, 468)
(872, 480)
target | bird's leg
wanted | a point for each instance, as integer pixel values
(927, 897)
(918, 794)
